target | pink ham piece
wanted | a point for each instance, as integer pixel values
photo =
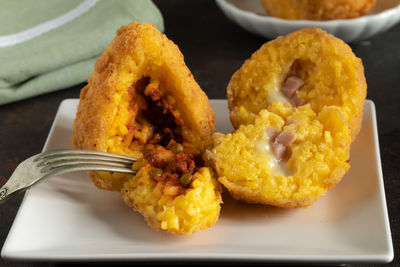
(271, 133)
(280, 141)
(298, 101)
(279, 150)
(291, 85)
(285, 138)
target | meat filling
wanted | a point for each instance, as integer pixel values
(290, 88)
(295, 81)
(158, 128)
(280, 141)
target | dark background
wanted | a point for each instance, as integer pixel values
(214, 49)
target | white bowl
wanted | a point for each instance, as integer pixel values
(250, 15)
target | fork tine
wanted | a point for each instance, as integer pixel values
(56, 153)
(73, 157)
(88, 167)
(58, 164)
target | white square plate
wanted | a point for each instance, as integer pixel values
(66, 218)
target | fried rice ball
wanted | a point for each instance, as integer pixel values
(306, 66)
(112, 110)
(142, 101)
(317, 9)
(289, 157)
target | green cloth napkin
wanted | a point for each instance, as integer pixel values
(49, 45)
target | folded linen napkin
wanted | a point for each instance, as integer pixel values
(49, 45)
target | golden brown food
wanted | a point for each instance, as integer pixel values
(317, 9)
(138, 67)
(142, 101)
(165, 208)
(288, 158)
(306, 66)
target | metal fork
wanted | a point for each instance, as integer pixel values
(50, 163)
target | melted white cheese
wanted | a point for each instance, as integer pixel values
(264, 147)
(276, 95)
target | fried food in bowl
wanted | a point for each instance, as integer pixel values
(289, 157)
(317, 9)
(142, 101)
(306, 66)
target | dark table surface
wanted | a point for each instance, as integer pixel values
(214, 49)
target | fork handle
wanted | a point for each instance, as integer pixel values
(4, 194)
(11, 189)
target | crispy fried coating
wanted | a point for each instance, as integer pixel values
(317, 9)
(248, 166)
(137, 51)
(142, 101)
(331, 73)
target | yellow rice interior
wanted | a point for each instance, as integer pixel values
(196, 209)
(317, 157)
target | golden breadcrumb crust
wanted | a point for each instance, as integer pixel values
(138, 50)
(317, 160)
(317, 9)
(333, 75)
